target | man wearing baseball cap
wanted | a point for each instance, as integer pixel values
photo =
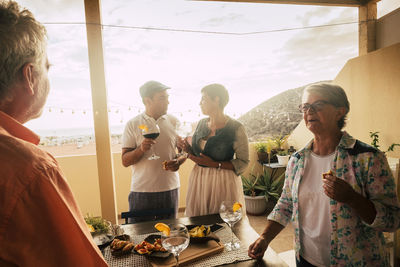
(155, 183)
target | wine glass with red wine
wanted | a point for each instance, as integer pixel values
(152, 131)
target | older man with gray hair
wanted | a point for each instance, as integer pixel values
(40, 221)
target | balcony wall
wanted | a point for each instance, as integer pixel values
(81, 174)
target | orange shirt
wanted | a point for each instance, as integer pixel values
(40, 221)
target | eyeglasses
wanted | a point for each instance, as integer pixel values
(315, 107)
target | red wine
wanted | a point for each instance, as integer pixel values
(151, 135)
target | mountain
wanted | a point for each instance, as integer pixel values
(278, 115)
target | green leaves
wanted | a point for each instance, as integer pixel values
(264, 185)
(375, 142)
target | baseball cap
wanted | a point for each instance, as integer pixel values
(151, 87)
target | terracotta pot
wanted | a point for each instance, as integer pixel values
(262, 157)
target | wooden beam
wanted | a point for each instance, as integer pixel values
(100, 111)
(348, 3)
(367, 16)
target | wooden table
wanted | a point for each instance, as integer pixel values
(242, 229)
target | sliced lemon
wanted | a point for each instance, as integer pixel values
(90, 227)
(143, 127)
(237, 206)
(162, 227)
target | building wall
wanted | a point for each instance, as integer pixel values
(385, 35)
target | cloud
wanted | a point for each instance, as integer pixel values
(321, 52)
(231, 18)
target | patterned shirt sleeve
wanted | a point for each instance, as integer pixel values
(380, 188)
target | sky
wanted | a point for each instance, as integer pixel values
(255, 50)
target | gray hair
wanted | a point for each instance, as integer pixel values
(334, 94)
(23, 40)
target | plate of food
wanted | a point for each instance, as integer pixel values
(151, 246)
(203, 233)
(121, 245)
(100, 230)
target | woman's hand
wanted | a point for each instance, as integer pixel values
(258, 248)
(341, 191)
(202, 160)
(183, 144)
(338, 189)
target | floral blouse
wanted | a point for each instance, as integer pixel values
(353, 241)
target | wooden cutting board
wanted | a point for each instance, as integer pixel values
(191, 253)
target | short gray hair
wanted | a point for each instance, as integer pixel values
(22, 40)
(334, 94)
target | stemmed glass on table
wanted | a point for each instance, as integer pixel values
(177, 240)
(152, 131)
(227, 213)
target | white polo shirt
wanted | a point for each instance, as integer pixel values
(149, 175)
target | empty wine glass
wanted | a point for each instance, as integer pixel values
(152, 131)
(231, 213)
(177, 240)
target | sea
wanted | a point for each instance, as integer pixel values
(75, 132)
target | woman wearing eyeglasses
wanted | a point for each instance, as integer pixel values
(339, 192)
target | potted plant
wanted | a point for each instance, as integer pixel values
(261, 192)
(283, 157)
(280, 141)
(262, 151)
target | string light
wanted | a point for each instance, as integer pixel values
(211, 32)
